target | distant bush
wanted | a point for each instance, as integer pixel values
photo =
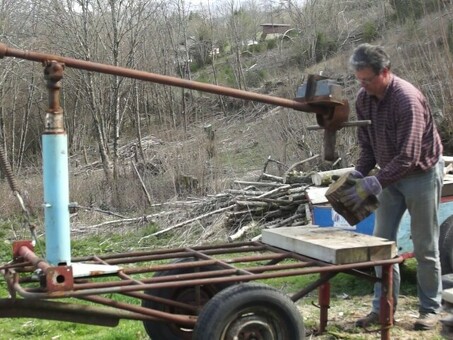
(257, 48)
(203, 77)
(450, 36)
(271, 44)
(255, 78)
(226, 75)
(370, 31)
(413, 9)
(325, 46)
(195, 66)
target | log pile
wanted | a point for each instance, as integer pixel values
(269, 204)
(245, 209)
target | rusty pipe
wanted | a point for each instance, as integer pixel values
(28, 255)
(6, 51)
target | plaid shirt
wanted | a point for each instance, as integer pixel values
(402, 138)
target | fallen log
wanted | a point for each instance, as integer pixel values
(259, 184)
(179, 225)
(241, 231)
(286, 221)
(324, 178)
(246, 192)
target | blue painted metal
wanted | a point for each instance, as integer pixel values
(56, 199)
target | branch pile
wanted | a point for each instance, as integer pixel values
(269, 202)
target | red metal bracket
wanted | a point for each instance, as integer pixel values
(19, 244)
(59, 278)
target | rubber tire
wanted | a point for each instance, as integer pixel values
(167, 331)
(266, 311)
(446, 246)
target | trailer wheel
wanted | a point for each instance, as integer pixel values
(186, 294)
(249, 311)
(446, 245)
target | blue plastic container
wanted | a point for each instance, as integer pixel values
(324, 216)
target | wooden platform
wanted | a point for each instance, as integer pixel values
(330, 244)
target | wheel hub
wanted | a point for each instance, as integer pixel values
(251, 328)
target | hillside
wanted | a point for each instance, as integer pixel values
(227, 138)
(197, 146)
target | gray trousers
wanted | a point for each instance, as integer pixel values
(419, 194)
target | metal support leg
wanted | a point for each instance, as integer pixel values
(324, 304)
(386, 303)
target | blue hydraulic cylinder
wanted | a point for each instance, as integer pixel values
(56, 199)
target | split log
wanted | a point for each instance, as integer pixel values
(336, 192)
(324, 178)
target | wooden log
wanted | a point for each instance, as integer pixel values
(253, 204)
(259, 184)
(290, 177)
(246, 192)
(336, 192)
(276, 190)
(278, 201)
(241, 231)
(270, 177)
(324, 178)
(286, 222)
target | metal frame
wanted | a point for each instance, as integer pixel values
(34, 283)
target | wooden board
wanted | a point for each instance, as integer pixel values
(317, 195)
(329, 244)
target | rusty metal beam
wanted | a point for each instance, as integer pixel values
(6, 51)
(50, 310)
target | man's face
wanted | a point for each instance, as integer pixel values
(374, 84)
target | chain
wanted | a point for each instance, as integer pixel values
(6, 167)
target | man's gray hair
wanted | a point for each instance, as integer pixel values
(367, 55)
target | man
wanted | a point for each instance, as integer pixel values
(404, 144)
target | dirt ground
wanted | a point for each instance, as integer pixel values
(345, 310)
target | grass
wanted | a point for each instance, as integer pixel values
(115, 240)
(45, 329)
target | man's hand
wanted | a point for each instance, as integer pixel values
(355, 174)
(352, 173)
(360, 189)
